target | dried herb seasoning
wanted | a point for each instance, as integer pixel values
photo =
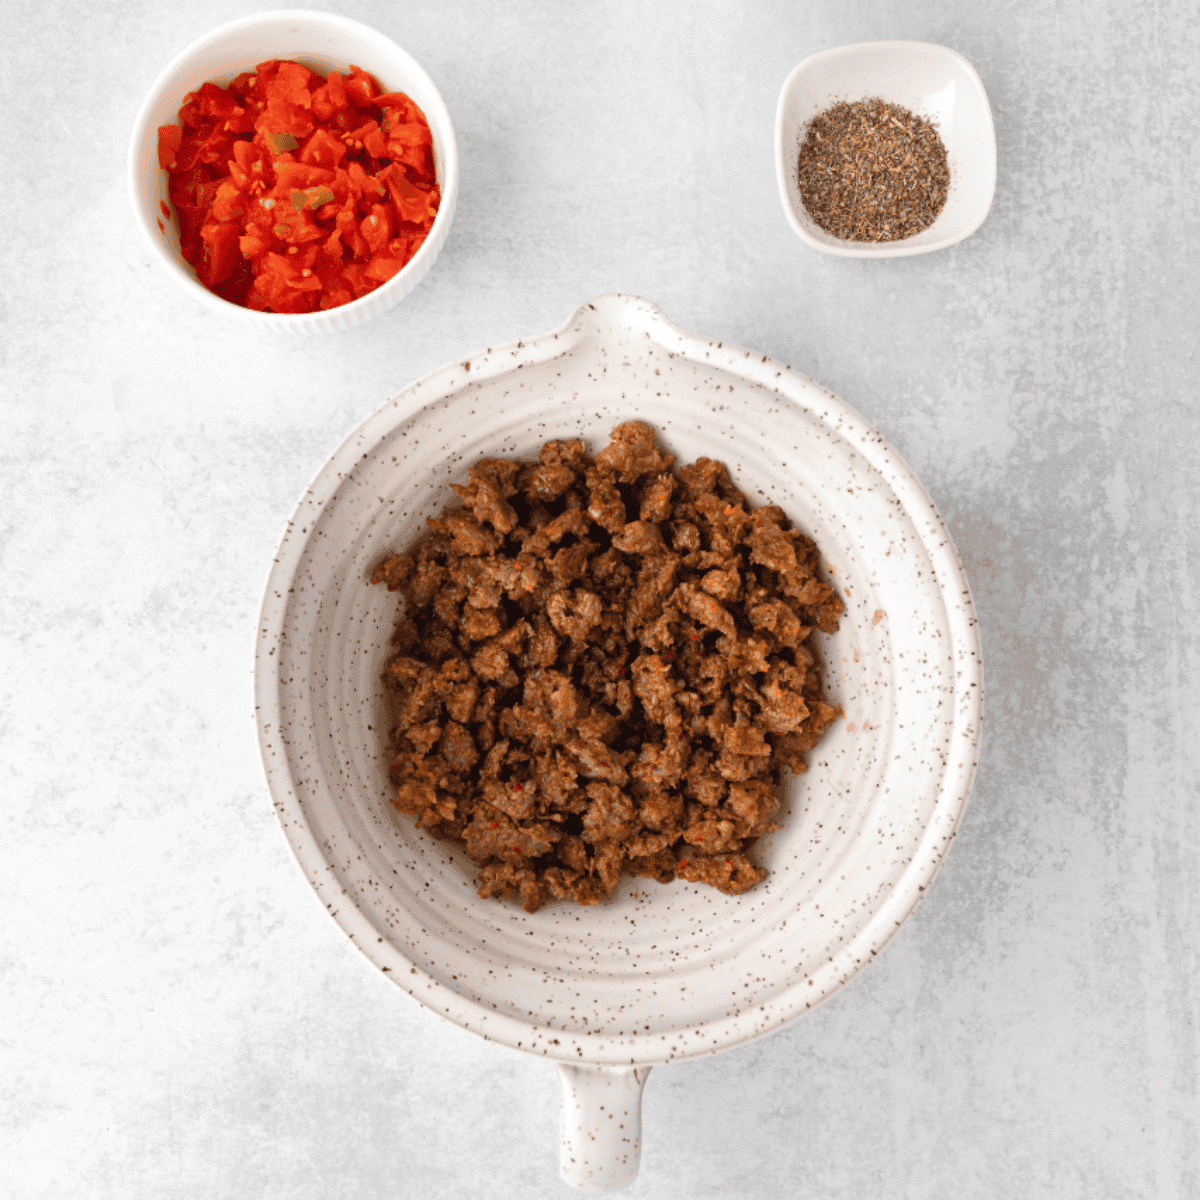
(870, 171)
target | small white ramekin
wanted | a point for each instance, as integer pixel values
(323, 42)
(934, 82)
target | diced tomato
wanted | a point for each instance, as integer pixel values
(336, 84)
(217, 102)
(194, 189)
(322, 109)
(337, 293)
(295, 193)
(259, 218)
(188, 154)
(281, 117)
(242, 122)
(251, 245)
(191, 112)
(376, 227)
(276, 284)
(230, 201)
(417, 155)
(220, 253)
(332, 246)
(414, 204)
(291, 82)
(215, 147)
(361, 89)
(306, 281)
(398, 106)
(412, 133)
(383, 266)
(322, 150)
(355, 275)
(169, 137)
(347, 228)
(243, 85)
(375, 143)
(365, 187)
(236, 286)
(291, 175)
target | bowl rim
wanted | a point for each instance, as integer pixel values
(361, 308)
(953, 789)
(903, 248)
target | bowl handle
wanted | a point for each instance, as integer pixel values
(600, 1121)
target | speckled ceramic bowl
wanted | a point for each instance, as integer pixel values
(323, 42)
(657, 972)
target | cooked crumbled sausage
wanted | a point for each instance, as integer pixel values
(605, 504)
(656, 500)
(492, 481)
(601, 668)
(633, 453)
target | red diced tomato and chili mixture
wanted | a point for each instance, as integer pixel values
(296, 193)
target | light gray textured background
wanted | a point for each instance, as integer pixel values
(178, 1019)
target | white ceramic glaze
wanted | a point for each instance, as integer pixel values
(323, 42)
(656, 972)
(600, 1123)
(934, 82)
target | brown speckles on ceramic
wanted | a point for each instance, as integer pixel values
(600, 1123)
(656, 972)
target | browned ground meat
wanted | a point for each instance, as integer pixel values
(602, 668)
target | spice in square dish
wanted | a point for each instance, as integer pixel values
(870, 171)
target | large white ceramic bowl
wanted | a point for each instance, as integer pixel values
(934, 82)
(323, 42)
(656, 972)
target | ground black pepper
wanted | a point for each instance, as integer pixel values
(870, 171)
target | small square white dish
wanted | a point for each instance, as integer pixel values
(931, 81)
